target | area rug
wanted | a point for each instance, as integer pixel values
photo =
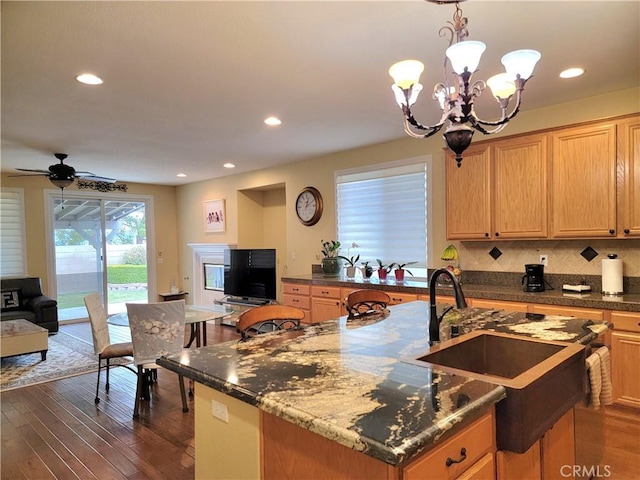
(68, 356)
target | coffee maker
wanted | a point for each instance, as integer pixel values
(533, 280)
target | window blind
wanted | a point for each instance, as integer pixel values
(12, 237)
(384, 211)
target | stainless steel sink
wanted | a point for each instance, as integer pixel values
(543, 379)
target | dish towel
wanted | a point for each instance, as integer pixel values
(595, 379)
(606, 395)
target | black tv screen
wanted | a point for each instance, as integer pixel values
(250, 273)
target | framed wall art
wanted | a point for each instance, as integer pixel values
(214, 216)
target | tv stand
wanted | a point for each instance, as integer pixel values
(249, 302)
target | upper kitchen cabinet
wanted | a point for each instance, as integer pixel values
(468, 195)
(584, 181)
(500, 191)
(629, 184)
(520, 168)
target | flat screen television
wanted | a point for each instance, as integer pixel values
(250, 273)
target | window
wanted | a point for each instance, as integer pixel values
(384, 211)
(13, 258)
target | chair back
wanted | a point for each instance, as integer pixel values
(157, 329)
(366, 302)
(98, 319)
(268, 318)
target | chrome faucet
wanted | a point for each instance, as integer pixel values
(434, 318)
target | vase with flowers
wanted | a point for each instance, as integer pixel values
(331, 263)
(351, 261)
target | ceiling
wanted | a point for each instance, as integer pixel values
(187, 85)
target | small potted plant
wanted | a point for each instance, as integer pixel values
(351, 261)
(383, 270)
(367, 270)
(331, 263)
(400, 270)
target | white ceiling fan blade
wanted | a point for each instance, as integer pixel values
(28, 174)
(33, 170)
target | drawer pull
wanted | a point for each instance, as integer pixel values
(463, 456)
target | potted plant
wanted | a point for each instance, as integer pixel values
(367, 270)
(383, 270)
(331, 263)
(351, 261)
(400, 270)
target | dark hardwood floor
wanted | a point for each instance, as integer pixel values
(54, 430)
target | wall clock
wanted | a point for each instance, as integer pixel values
(309, 206)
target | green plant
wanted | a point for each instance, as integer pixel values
(135, 256)
(351, 260)
(367, 269)
(386, 268)
(330, 249)
(400, 266)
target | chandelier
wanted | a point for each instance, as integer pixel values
(457, 94)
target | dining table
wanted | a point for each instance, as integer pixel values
(196, 316)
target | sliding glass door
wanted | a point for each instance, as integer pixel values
(99, 245)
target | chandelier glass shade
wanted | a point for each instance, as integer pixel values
(457, 93)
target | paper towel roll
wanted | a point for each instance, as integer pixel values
(612, 276)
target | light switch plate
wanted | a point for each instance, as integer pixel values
(220, 411)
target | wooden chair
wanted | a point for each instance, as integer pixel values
(157, 329)
(366, 302)
(102, 342)
(268, 318)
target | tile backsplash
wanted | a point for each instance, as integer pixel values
(563, 256)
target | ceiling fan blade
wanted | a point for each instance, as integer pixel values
(46, 172)
(28, 174)
(94, 178)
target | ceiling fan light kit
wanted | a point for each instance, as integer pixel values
(63, 175)
(456, 95)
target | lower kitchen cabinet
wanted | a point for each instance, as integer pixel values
(588, 313)
(499, 304)
(468, 454)
(397, 298)
(297, 295)
(326, 303)
(545, 458)
(625, 358)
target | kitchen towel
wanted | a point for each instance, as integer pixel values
(606, 395)
(612, 276)
(595, 379)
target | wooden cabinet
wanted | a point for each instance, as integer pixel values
(468, 195)
(625, 358)
(558, 447)
(444, 299)
(588, 313)
(545, 458)
(463, 452)
(584, 181)
(629, 162)
(499, 304)
(500, 191)
(398, 298)
(297, 295)
(326, 303)
(520, 187)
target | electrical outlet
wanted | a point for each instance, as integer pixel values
(220, 411)
(544, 260)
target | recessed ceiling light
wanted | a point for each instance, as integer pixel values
(229, 165)
(572, 72)
(181, 175)
(272, 121)
(89, 79)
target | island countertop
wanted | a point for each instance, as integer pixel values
(348, 381)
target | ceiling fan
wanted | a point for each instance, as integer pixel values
(62, 175)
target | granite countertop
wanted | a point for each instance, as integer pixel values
(627, 302)
(348, 381)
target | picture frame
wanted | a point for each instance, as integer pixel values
(214, 216)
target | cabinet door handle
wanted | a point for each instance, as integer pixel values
(612, 231)
(497, 234)
(486, 234)
(626, 230)
(463, 456)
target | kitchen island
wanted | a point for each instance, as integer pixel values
(346, 382)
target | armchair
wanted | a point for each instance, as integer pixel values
(23, 298)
